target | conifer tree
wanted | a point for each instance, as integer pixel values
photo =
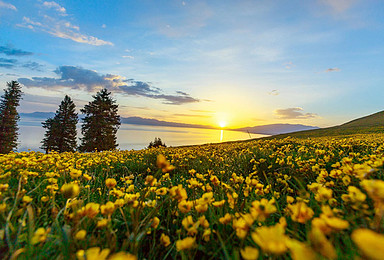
(100, 123)
(156, 143)
(61, 132)
(9, 117)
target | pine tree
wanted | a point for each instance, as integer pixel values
(156, 143)
(100, 123)
(9, 117)
(61, 132)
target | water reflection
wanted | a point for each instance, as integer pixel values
(138, 136)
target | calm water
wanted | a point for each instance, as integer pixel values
(137, 136)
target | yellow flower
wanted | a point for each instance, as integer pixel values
(178, 192)
(369, 242)
(262, 209)
(190, 225)
(300, 212)
(300, 250)
(226, 219)
(186, 243)
(40, 235)
(110, 183)
(75, 173)
(80, 235)
(70, 190)
(218, 203)
(207, 234)
(91, 209)
(323, 194)
(27, 199)
(321, 244)
(163, 164)
(249, 253)
(122, 256)
(165, 240)
(3, 207)
(93, 253)
(108, 208)
(102, 223)
(271, 239)
(185, 206)
(155, 222)
(161, 191)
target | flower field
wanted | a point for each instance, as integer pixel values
(319, 198)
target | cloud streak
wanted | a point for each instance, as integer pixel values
(91, 81)
(293, 113)
(62, 29)
(55, 6)
(7, 6)
(332, 70)
(10, 51)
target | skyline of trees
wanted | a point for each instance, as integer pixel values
(61, 131)
(9, 116)
(100, 123)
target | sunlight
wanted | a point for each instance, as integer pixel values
(222, 124)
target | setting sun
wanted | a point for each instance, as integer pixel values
(222, 124)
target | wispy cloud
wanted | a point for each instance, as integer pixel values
(293, 113)
(62, 29)
(7, 63)
(11, 51)
(338, 6)
(32, 65)
(7, 6)
(274, 92)
(56, 7)
(332, 70)
(91, 81)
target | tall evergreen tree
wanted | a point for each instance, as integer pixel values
(61, 132)
(100, 123)
(9, 116)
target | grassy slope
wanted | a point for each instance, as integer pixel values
(369, 124)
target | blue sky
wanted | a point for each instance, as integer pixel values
(243, 62)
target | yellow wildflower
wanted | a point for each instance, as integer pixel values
(300, 212)
(249, 253)
(70, 190)
(108, 208)
(110, 183)
(165, 240)
(186, 243)
(93, 253)
(369, 242)
(271, 239)
(80, 235)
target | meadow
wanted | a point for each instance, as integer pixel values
(288, 198)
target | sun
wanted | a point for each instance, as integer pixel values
(222, 124)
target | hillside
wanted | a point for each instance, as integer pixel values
(369, 124)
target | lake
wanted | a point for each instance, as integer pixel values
(137, 136)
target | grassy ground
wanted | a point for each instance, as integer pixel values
(280, 198)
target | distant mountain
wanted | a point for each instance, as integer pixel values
(368, 124)
(42, 115)
(275, 129)
(135, 120)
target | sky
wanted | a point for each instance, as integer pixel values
(215, 62)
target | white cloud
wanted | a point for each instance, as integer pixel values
(332, 70)
(62, 29)
(7, 6)
(103, 26)
(128, 57)
(293, 113)
(55, 6)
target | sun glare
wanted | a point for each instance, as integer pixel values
(222, 124)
